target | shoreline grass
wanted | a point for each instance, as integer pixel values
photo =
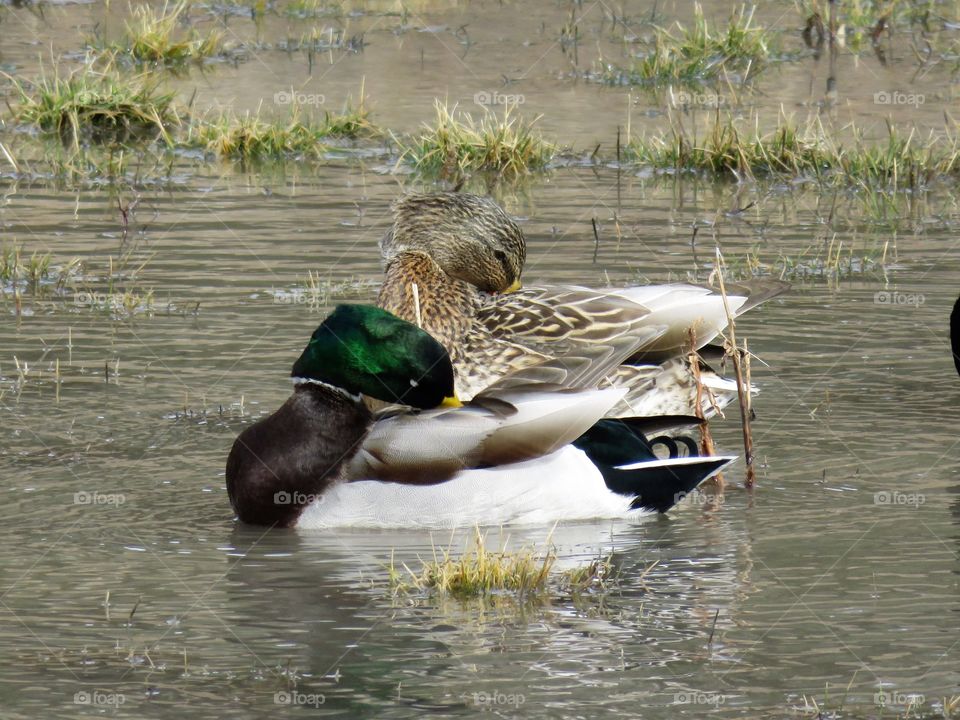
(93, 107)
(697, 54)
(457, 145)
(731, 149)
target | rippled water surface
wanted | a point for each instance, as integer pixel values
(129, 591)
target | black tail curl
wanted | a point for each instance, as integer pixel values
(659, 483)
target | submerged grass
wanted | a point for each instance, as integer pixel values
(39, 277)
(19, 272)
(697, 54)
(313, 8)
(728, 148)
(156, 36)
(456, 145)
(862, 21)
(829, 261)
(90, 105)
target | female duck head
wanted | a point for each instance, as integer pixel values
(363, 349)
(470, 237)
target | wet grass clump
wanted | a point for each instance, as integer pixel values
(477, 572)
(352, 123)
(697, 54)
(480, 572)
(728, 149)
(99, 107)
(251, 137)
(155, 36)
(456, 145)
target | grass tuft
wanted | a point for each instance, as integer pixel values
(728, 148)
(92, 106)
(155, 36)
(477, 572)
(697, 54)
(250, 137)
(456, 145)
(352, 123)
(597, 575)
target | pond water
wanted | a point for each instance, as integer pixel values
(129, 591)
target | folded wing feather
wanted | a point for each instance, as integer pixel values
(516, 424)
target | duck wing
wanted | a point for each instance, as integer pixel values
(568, 336)
(586, 365)
(500, 427)
(554, 316)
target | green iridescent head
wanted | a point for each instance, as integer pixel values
(363, 349)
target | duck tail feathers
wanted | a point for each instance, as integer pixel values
(661, 484)
(629, 466)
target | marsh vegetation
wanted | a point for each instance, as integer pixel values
(185, 187)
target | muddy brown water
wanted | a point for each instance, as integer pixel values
(127, 588)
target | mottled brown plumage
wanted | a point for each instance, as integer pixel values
(459, 248)
(455, 248)
(469, 237)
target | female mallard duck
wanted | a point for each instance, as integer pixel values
(528, 453)
(448, 255)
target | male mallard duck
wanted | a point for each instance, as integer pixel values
(955, 333)
(520, 452)
(446, 253)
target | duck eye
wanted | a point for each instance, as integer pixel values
(501, 257)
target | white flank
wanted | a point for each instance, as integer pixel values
(564, 485)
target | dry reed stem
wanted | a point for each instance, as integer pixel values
(742, 392)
